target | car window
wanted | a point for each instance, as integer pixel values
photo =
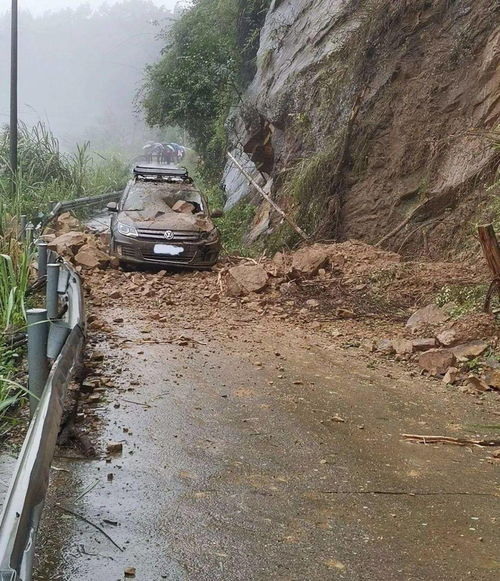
(159, 197)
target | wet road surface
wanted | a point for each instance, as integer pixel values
(257, 453)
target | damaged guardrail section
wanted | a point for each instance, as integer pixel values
(62, 342)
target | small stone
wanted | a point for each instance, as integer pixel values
(403, 346)
(447, 338)
(429, 315)
(114, 448)
(477, 383)
(451, 376)
(424, 344)
(492, 378)
(130, 572)
(385, 346)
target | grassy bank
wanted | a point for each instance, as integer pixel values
(45, 174)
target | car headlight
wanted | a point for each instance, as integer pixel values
(212, 236)
(126, 230)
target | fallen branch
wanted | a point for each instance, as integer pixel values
(299, 231)
(400, 226)
(145, 405)
(86, 520)
(449, 440)
(410, 493)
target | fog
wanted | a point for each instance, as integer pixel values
(37, 7)
(80, 68)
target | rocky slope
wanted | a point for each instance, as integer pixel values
(372, 119)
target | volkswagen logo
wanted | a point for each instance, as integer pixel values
(169, 235)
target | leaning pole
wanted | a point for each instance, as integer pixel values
(13, 94)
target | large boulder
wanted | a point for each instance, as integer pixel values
(437, 361)
(469, 350)
(91, 257)
(429, 315)
(68, 244)
(307, 261)
(183, 207)
(66, 223)
(246, 279)
(492, 378)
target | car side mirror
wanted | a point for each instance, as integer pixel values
(112, 207)
(217, 213)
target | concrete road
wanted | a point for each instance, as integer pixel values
(254, 452)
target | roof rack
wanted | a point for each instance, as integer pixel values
(161, 173)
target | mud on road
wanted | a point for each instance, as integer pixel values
(254, 449)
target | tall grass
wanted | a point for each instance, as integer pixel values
(45, 174)
(15, 264)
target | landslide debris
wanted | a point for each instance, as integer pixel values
(85, 250)
(356, 294)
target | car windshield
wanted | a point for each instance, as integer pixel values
(162, 198)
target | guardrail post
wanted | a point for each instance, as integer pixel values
(58, 333)
(64, 275)
(42, 260)
(51, 290)
(23, 220)
(38, 368)
(29, 232)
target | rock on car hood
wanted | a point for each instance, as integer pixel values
(167, 220)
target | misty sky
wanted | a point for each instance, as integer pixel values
(40, 6)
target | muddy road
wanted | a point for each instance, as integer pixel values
(254, 450)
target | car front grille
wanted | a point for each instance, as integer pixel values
(128, 251)
(185, 257)
(159, 234)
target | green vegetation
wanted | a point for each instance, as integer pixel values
(311, 184)
(462, 300)
(494, 138)
(235, 221)
(208, 60)
(45, 174)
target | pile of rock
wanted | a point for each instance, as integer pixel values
(442, 350)
(304, 264)
(84, 250)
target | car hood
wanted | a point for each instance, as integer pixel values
(167, 221)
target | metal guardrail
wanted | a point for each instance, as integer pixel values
(61, 207)
(25, 498)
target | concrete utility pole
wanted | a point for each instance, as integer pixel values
(13, 95)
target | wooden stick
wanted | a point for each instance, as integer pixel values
(86, 520)
(449, 440)
(491, 251)
(268, 198)
(400, 226)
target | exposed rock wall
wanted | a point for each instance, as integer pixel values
(396, 96)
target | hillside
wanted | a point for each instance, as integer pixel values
(365, 116)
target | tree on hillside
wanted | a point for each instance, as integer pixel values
(207, 61)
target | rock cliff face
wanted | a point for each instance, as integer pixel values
(371, 119)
